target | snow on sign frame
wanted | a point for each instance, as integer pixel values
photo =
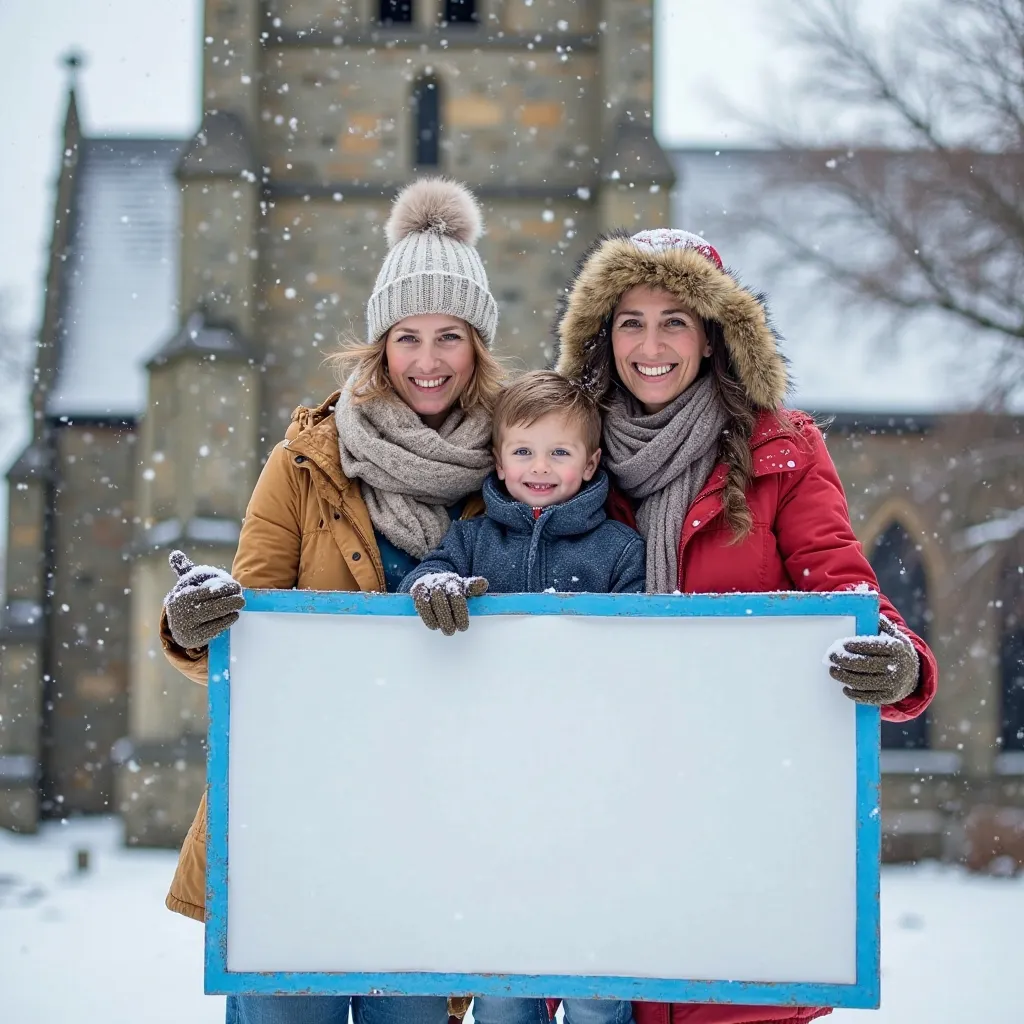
(621, 796)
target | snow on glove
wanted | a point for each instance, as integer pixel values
(440, 599)
(204, 602)
(877, 670)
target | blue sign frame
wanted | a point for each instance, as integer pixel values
(863, 994)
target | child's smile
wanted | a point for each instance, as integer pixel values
(539, 489)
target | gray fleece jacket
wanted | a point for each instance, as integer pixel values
(572, 547)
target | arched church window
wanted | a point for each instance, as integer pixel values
(426, 118)
(899, 567)
(460, 12)
(395, 12)
(1011, 653)
(1011, 664)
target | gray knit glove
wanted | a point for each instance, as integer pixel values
(204, 602)
(440, 599)
(876, 670)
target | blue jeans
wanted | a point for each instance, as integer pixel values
(597, 1011)
(334, 1010)
(415, 1010)
(509, 1010)
(502, 1010)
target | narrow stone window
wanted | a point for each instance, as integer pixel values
(1011, 660)
(395, 12)
(460, 12)
(899, 567)
(426, 119)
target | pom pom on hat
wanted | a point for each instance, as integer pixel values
(437, 205)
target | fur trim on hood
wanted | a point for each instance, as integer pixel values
(614, 264)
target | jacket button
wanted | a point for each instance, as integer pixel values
(300, 458)
(337, 515)
(356, 556)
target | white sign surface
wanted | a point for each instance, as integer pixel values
(542, 795)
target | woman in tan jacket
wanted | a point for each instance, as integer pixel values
(359, 491)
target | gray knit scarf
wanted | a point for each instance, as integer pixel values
(409, 472)
(663, 460)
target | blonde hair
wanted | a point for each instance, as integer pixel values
(368, 364)
(539, 393)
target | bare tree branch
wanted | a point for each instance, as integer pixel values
(929, 216)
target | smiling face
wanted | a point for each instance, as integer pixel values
(657, 345)
(546, 462)
(430, 361)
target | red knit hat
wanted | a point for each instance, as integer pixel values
(663, 239)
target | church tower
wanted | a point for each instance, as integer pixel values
(315, 113)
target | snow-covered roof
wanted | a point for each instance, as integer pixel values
(120, 304)
(844, 357)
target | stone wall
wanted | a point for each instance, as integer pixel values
(86, 659)
(943, 485)
(508, 116)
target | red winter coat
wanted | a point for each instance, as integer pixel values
(801, 540)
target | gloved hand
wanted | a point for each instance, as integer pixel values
(440, 599)
(876, 670)
(204, 602)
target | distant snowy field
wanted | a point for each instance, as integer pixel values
(100, 948)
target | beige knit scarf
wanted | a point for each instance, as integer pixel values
(663, 459)
(409, 472)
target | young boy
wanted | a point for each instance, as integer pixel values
(545, 526)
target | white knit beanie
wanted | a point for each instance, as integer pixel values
(432, 266)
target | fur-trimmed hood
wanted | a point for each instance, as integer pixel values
(615, 263)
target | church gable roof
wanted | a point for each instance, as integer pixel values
(121, 286)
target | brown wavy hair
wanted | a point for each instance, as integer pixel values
(368, 362)
(741, 417)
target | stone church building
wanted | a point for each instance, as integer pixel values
(194, 287)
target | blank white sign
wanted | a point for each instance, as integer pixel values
(545, 795)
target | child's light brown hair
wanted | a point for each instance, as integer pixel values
(540, 392)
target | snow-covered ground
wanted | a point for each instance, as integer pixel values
(99, 948)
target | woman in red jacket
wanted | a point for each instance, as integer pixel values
(731, 491)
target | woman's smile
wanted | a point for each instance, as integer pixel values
(429, 383)
(656, 370)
